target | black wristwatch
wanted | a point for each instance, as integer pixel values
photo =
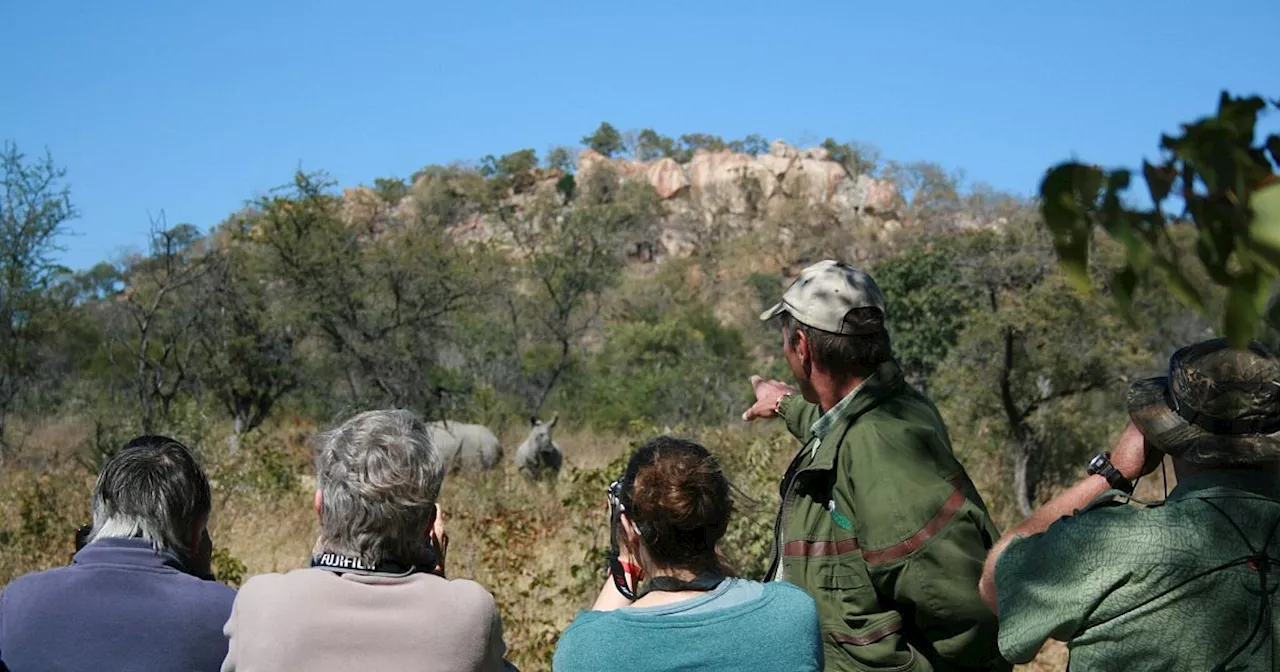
(1102, 466)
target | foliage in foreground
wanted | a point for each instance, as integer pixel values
(1226, 187)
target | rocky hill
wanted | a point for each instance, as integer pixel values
(723, 189)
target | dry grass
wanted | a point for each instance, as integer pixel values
(535, 546)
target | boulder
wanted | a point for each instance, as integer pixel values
(677, 244)
(815, 181)
(629, 169)
(777, 166)
(363, 208)
(782, 150)
(589, 159)
(817, 154)
(473, 229)
(667, 178)
(881, 195)
(715, 178)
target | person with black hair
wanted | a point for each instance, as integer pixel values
(1189, 583)
(671, 602)
(139, 594)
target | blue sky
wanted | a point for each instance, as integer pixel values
(195, 107)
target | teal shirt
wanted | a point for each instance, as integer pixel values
(776, 630)
(1135, 589)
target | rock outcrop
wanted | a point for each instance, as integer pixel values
(712, 184)
(744, 184)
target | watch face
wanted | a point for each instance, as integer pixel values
(1096, 463)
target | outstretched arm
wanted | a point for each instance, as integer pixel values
(1130, 457)
(774, 399)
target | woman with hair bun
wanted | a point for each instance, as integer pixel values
(670, 602)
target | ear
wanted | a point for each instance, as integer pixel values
(802, 346)
(554, 419)
(630, 534)
(437, 520)
(319, 500)
(199, 534)
(533, 421)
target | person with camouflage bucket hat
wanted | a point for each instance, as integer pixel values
(879, 522)
(1189, 583)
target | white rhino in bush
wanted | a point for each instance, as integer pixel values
(464, 445)
(539, 456)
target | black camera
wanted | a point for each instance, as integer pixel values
(616, 509)
(82, 536)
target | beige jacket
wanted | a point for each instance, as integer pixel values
(319, 621)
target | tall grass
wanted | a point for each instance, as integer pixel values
(538, 547)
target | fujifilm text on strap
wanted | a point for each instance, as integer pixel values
(343, 564)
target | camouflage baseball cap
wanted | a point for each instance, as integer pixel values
(824, 294)
(1217, 405)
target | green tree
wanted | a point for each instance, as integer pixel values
(247, 342)
(666, 360)
(570, 256)
(390, 189)
(651, 145)
(692, 142)
(379, 303)
(754, 144)
(856, 158)
(1014, 362)
(1219, 179)
(606, 140)
(928, 301)
(560, 159)
(163, 311)
(512, 171)
(444, 195)
(35, 207)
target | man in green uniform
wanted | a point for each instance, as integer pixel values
(1188, 584)
(878, 522)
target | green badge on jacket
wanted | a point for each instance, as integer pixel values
(844, 523)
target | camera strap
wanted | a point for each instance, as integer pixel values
(345, 564)
(667, 584)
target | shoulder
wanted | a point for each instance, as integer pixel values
(791, 598)
(30, 586)
(591, 642)
(464, 592)
(1107, 526)
(588, 626)
(281, 588)
(212, 591)
(266, 584)
(899, 473)
(789, 595)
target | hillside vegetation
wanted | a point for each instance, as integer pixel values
(615, 290)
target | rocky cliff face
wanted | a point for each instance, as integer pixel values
(715, 188)
(743, 184)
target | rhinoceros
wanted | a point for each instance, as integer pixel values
(539, 456)
(464, 445)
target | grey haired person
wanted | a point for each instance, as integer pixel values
(376, 596)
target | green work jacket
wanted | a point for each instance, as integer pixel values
(882, 526)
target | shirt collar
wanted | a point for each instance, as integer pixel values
(1265, 483)
(134, 551)
(827, 420)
